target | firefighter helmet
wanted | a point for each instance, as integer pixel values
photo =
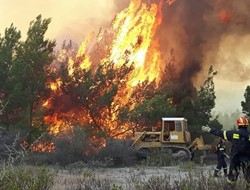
(242, 121)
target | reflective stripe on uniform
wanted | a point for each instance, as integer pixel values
(225, 135)
(222, 149)
(236, 136)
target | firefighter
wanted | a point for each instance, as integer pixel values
(240, 151)
(220, 150)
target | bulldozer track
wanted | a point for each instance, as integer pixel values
(179, 153)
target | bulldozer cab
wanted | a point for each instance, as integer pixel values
(170, 134)
(171, 130)
(174, 129)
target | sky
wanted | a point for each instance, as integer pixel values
(70, 19)
(75, 19)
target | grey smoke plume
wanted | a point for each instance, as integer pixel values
(205, 33)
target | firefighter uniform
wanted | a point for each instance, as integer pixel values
(240, 151)
(220, 150)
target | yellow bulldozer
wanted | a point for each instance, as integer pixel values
(170, 135)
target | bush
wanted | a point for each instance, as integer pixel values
(119, 151)
(89, 181)
(193, 180)
(159, 157)
(10, 149)
(26, 178)
(70, 148)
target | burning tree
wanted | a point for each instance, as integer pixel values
(114, 83)
(108, 74)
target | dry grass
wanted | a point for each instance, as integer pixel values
(187, 176)
(145, 178)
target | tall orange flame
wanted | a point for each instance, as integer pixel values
(134, 40)
(135, 29)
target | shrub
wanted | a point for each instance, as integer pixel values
(89, 181)
(70, 148)
(119, 151)
(10, 149)
(193, 180)
(159, 157)
(26, 178)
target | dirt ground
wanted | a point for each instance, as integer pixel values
(123, 177)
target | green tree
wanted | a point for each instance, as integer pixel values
(9, 45)
(30, 70)
(201, 104)
(228, 120)
(150, 111)
(205, 100)
(246, 104)
(23, 72)
(195, 105)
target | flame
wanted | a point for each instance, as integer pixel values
(56, 124)
(135, 36)
(54, 86)
(132, 38)
(46, 103)
(225, 16)
(43, 147)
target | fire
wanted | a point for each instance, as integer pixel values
(56, 125)
(135, 29)
(132, 38)
(43, 147)
(225, 16)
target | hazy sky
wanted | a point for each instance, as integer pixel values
(234, 72)
(74, 19)
(70, 19)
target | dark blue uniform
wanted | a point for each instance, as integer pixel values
(240, 152)
(220, 150)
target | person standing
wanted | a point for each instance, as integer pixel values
(240, 151)
(220, 150)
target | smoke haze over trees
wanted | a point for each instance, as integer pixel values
(203, 33)
(194, 33)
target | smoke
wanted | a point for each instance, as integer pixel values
(201, 32)
(183, 30)
(230, 39)
(205, 33)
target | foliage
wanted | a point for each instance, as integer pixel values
(89, 181)
(192, 180)
(95, 92)
(9, 45)
(70, 148)
(213, 123)
(188, 179)
(119, 152)
(159, 158)
(107, 107)
(228, 120)
(202, 104)
(149, 112)
(194, 104)
(30, 69)
(10, 150)
(26, 177)
(246, 104)
(205, 101)
(24, 66)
